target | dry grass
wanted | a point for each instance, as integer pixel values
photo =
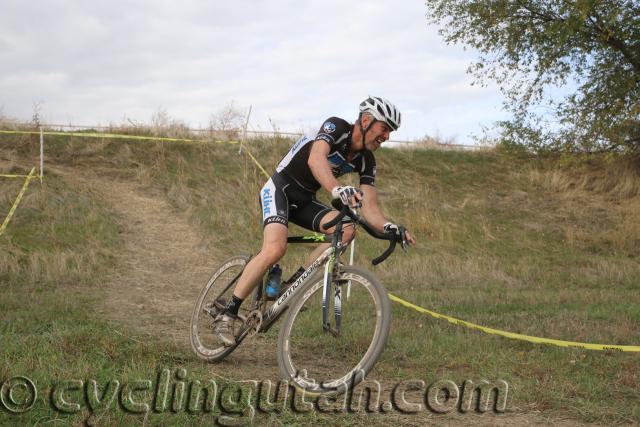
(616, 177)
(64, 266)
(610, 188)
(52, 224)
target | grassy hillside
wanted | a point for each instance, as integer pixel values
(543, 247)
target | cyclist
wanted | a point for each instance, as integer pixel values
(289, 195)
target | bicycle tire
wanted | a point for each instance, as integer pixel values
(306, 358)
(218, 291)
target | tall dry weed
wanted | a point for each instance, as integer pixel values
(163, 125)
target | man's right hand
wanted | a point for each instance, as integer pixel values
(348, 195)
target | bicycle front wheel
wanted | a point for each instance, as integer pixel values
(325, 362)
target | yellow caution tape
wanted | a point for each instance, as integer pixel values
(18, 199)
(13, 176)
(537, 340)
(113, 136)
(256, 162)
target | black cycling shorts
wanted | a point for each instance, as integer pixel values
(283, 200)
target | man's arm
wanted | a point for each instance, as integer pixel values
(372, 213)
(319, 165)
(370, 208)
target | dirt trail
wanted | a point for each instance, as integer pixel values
(163, 267)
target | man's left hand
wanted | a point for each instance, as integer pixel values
(390, 227)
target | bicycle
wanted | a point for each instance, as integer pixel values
(346, 350)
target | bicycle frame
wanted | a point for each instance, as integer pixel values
(329, 258)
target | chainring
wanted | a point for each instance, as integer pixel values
(253, 322)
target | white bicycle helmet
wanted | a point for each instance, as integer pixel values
(382, 110)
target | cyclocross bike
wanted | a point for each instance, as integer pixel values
(320, 354)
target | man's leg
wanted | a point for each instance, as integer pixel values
(274, 246)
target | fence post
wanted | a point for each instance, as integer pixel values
(41, 154)
(244, 131)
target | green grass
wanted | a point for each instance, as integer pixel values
(525, 245)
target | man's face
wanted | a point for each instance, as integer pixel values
(378, 134)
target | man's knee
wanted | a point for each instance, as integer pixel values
(348, 233)
(274, 244)
(274, 251)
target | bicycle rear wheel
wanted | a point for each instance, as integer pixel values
(212, 299)
(320, 362)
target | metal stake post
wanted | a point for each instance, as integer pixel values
(41, 154)
(244, 131)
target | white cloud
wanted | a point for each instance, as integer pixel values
(295, 62)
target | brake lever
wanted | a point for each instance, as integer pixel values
(403, 235)
(358, 204)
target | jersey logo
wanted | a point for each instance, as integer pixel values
(339, 165)
(329, 127)
(267, 198)
(299, 142)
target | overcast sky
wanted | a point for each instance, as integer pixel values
(294, 62)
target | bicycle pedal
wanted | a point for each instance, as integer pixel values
(211, 309)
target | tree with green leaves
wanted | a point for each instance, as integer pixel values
(569, 69)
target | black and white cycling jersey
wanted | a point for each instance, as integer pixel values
(289, 195)
(337, 133)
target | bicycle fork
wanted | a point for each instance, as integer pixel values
(329, 272)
